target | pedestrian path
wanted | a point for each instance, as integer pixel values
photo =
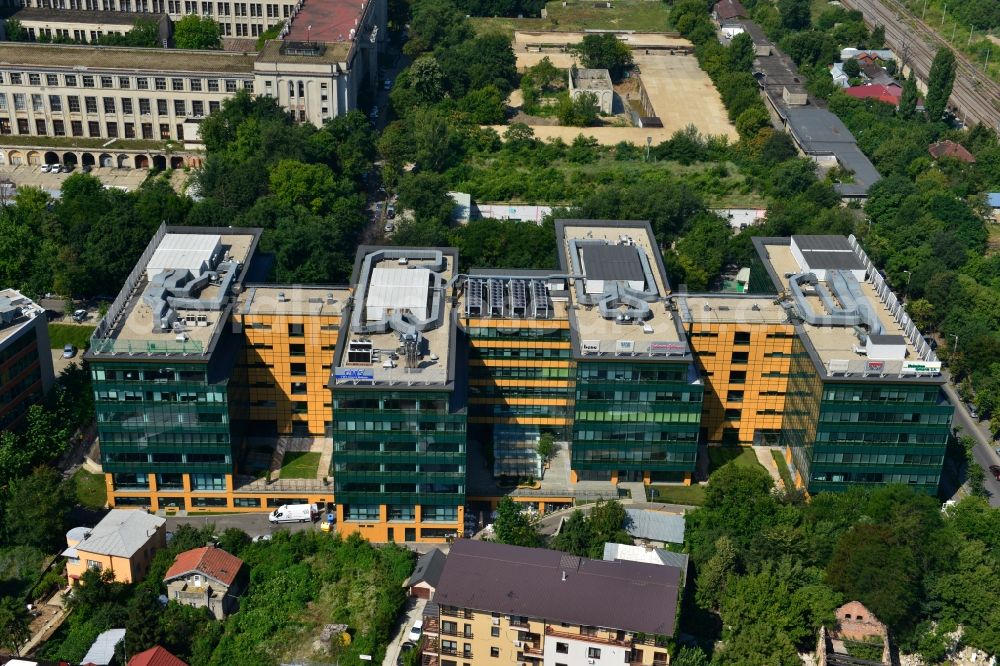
(765, 458)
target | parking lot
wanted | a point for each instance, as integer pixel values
(32, 176)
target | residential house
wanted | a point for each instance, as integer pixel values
(206, 577)
(648, 554)
(498, 605)
(858, 639)
(889, 94)
(951, 149)
(884, 55)
(155, 656)
(424, 579)
(840, 78)
(124, 543)
(657, 527)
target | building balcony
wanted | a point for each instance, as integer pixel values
(431, 625)
(533, 651)
(430, 645)
(429, 660)
(549, 631)
(519, 624)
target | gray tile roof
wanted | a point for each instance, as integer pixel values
(121, 533)
(102, 652)
(655, 525)
(428, 569)
(554, 586)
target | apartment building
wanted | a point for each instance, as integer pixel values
(419, 387)
(864, 402)
(499, 604)
(25, 360)
(141, 108)
(83, 26)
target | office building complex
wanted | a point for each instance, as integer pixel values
(864, 403)
(25, 361)
(419, 391)
(399, 416)
(499, 604)
(141, 108)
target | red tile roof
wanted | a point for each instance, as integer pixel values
(326, 21)
(951, 149)
(887, 94)
(212, 562)
(155, 656)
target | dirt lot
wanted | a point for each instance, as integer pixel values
(681, 93)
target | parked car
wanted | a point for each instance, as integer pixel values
(79, 316)
(49, 167)
(972, 410)
(418, 628)
(390, 211)
(387, 84)
(405, 649)
(294, 513)
(87, 168)
(66, 168)
(389, 228)
(995, 471)
(374, 112)
(69, 351)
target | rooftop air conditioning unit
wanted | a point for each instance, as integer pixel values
(402, 261)
(517, 644)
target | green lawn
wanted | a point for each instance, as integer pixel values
(60, 334)
(90, 489)
(300, 465)
(786, 475)
(645, 15)
(694, 494)
(719, 456)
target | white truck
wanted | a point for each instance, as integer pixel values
(294, 513)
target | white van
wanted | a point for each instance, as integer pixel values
(294, 513)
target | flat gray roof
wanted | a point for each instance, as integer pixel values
(821, 132)
(547, 584)
(612, 262)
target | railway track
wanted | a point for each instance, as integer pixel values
(974, 98)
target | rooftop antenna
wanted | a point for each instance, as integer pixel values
(309, 33)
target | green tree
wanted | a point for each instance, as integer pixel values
(14, 624)
(852, 68)
(575, 536)
(311, 185)
(604, 51)
(546, 446)
(144, 33)
(752, 121)
(426, 195)
(485, 106)
(939, 83)
(714, 576)
(515, 527)
(908, 98)
(15, 31)
(196, 32)
(690, 656)
(37, 509)
(271, 33)
(426, 79)
(870, 565)
(795, 14)
(580, 111)
(741, 52)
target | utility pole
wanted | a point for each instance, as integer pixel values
(955, 348)
(953, 31)
(944, 13)
(906, 288)
(970, 37)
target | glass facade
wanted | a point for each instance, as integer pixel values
(160, 418)
(20, 377)
(401, 448)
(636, 417)
(844, 433)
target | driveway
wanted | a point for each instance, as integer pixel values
(414, 611)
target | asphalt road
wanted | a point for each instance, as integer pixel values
(983, 452)
(975, 96)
